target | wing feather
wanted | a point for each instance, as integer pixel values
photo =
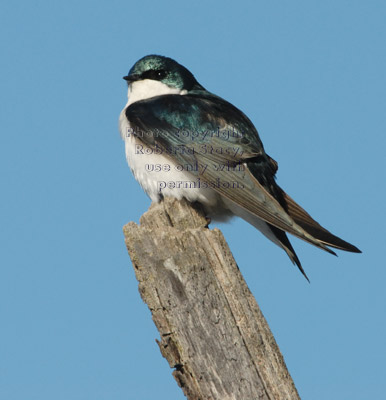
(171, 122)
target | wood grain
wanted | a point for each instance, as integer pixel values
(212, 331)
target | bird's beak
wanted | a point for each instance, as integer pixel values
(131, 78)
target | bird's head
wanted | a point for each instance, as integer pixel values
(164, 70)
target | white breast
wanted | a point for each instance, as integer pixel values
(140, 162)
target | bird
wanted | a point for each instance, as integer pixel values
(183, 141)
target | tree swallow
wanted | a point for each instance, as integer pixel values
(185, 142)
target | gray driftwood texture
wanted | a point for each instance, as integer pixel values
(212, 331)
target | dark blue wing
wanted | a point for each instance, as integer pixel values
(204, 128)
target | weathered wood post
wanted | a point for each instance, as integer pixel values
(212, 331)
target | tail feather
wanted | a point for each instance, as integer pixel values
(264, 173)
(287, 247)
(302, 218)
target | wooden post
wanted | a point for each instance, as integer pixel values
(212, 331)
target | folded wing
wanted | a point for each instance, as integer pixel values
(205, 119)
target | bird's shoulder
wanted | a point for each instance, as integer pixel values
(195, 112)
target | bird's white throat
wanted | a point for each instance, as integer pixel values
(147, 88)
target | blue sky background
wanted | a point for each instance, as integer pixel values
(310, 75)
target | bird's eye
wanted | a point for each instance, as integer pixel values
(155, 75)
(161, 74)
